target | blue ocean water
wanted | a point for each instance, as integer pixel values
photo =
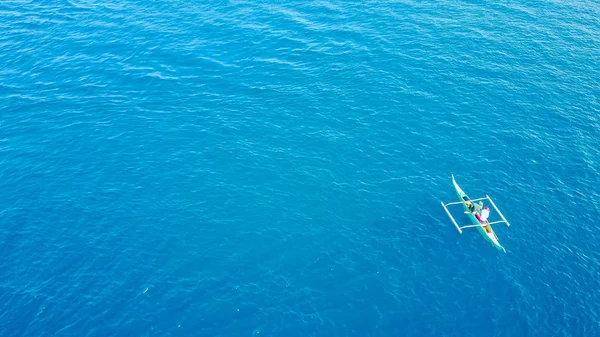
(238, 168)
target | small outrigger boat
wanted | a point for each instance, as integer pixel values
(484, 227)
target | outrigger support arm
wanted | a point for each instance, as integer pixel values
(497, 210)
(480, 225)
(460, 228)
(453, 203)
(451, 218)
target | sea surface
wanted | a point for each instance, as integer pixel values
(275, 168)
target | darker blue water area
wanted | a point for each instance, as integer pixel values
(258, 169)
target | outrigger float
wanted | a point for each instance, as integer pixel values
(485, 227)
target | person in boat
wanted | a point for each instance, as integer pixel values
(485, 214)
(468, 202)
(474, 208)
